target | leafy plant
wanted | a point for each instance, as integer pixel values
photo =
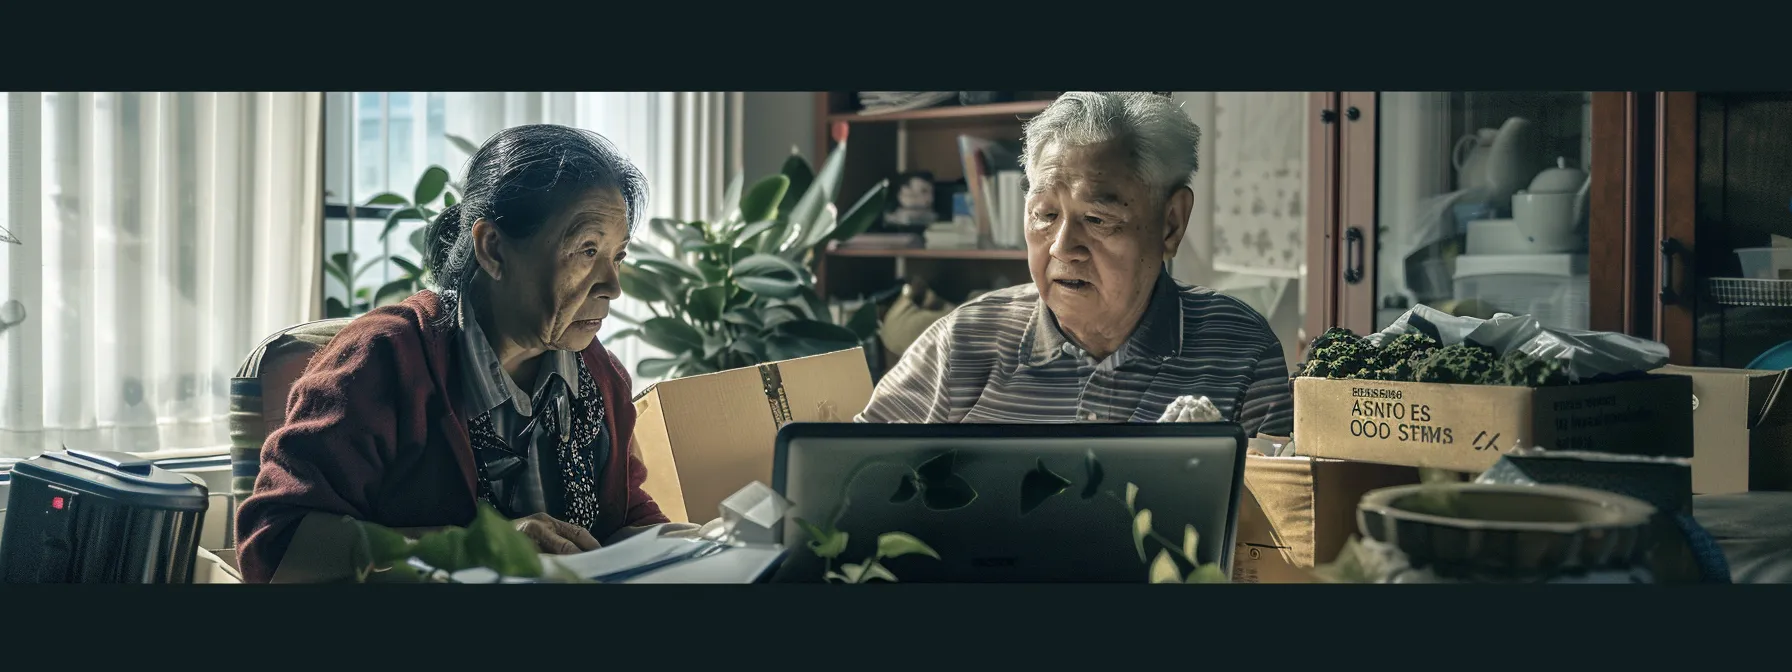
(829, 544)
(434, 192)
(737, 290)
(491, 542)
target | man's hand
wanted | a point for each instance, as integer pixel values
(556, 536)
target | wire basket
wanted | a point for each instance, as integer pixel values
(1750, 292)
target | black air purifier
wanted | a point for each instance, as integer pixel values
(84, 516)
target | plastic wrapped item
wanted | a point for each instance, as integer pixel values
(1589, 354)
(1191, 409)
(751, 515)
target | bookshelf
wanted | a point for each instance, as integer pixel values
(884, 145)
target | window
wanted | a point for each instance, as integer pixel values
(378, 142)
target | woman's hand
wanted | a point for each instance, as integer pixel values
(556, 536)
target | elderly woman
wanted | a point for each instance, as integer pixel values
(493, 389)
(1103, 334)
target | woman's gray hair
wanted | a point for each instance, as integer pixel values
(1163, 141)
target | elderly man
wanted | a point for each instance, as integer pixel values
(1103, 334)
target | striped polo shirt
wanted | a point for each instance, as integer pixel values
(1002, 359)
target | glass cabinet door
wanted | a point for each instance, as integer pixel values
(1472, 203)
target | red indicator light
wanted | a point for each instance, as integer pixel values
(56, 503)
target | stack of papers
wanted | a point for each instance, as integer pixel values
(650, 558)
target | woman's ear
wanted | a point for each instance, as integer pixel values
(488, 248)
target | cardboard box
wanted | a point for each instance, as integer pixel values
(1466, 428)
(704, 437)
(1297, 512)
(1742, 429)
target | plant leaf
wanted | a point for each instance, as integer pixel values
(333, 307)
(624, 317)
(671, 335)
(825, 543)
(949, 494)
(746, 234)
(1141, 526)
(410, 269)
(430, 185)
(420, 241)
(384, 545)
(1132, 493)
(863, 322)
(821, 192)
(760, 202)
(461, 143)
(773, 288)
(1038, 485)
(905, 490)
(656, 368)
(729, 217)
(1208, 573)
(494, 542)
(818, 309)
(742, 317)
(644, 285)
(861, 215)
(665, 228)
(827, 219)
(898, 544)
(705, 303)
(766, 265)
(445, 550)
(387, 198)
(1163, 569)
(853, 572)
(394, 292)
(801, 176)
(448, 200)
(670, 268)
(1190, 542)
(625, 334)
(397, 216)
(876, 570)
(936, 469)
(1092, 468)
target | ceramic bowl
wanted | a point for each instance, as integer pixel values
(1514, 530)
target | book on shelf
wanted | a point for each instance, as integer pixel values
(984, 160)
(881, 241)
(885, 102)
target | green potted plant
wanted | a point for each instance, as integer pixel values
(736, 290)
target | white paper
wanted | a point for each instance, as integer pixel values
(1588, 353)
(738, 564)
(635, 551)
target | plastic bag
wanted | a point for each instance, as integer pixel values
(1589, 354)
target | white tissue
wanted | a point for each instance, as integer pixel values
(1191, 409)
(1588, 353)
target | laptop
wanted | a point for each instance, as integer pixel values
(1009, 503)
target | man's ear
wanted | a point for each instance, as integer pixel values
(1176, 213)
(487, 248)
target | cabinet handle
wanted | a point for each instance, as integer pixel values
(1353, 255)
(1328, 116)
(1353, 114)
(1670, 247)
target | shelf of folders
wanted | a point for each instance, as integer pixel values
(1751, 292)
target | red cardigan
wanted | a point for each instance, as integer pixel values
(372, 431)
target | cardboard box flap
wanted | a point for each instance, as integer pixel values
(1283, 487)
(1762, 387)
(717, 430)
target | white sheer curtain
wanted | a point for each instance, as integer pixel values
(161, 236)
(688, 144)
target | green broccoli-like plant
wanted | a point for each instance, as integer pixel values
(1340, 354)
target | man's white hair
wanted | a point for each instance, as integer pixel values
(1163, 141)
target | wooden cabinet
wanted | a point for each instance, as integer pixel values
(1428, 197)
(1677, 182)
